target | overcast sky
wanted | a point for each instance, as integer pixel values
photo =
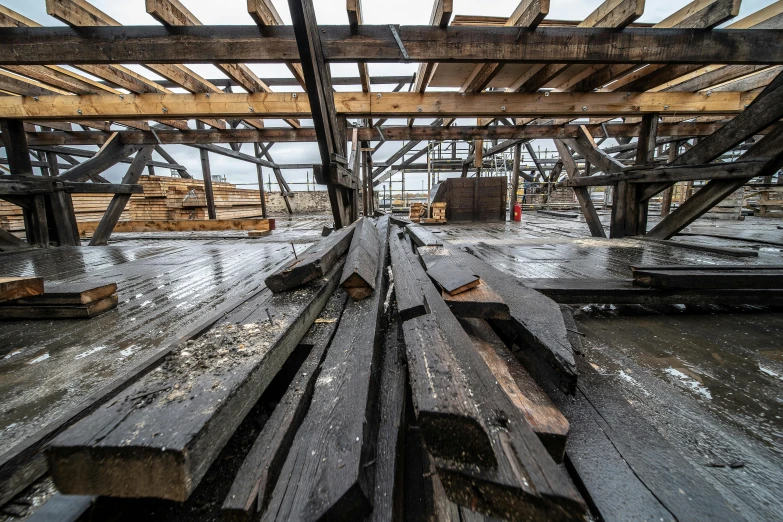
(404, 12)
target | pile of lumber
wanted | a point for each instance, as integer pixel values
(164, 198)
(438, 214)
(26, 298)
(412, 380)
(417, 211)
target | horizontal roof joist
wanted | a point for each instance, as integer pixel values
(401, 133)
(378, 43)
(363, 105)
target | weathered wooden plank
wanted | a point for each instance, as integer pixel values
(375, 43)
(62, 508)
(19, 287)
(70, 294)
(313, 262)
(544, 418)
(328, 471)
(410, 302)
(10, 310)
(617, 291)
(451, 278)
(480, 302)
(525, 482)
(361, 263)
(389, 487)
(535, 318)
(258, 474)
(709, 279)
(159, 437)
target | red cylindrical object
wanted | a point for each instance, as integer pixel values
(517, 211)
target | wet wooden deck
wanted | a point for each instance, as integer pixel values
(709, 380)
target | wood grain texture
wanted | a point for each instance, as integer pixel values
(19, 287)
(162, 446)
(313, 262)
(327, 471)
(361, 263)
(260, 470)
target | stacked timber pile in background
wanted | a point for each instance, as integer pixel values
(164, 198)
(417, 211)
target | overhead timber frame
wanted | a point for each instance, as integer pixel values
(675, 82)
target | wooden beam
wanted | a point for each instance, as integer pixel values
(78, 457)
(355, 19)
(172, 13)
(440, 17)
(265, 15)
(117, 205)
(528, 14)
(260, 173)
(244, 44)
(652, 77)
(330, 130)
(421, 133)
(614, 14)
(515, 177)
(111, 152)
(699, 14)
(16, 148)
(768, 149)
(206, 175)
(585, 145)
(324, 477)
(582, 194)
(80, 13)
(354, 104)
(671, 173)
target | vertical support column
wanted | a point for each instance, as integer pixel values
(478, 156)
(206, 173)
(112, 215)
(330, 131)
(666, 202)
(260, 172)
(16, 150)
(515, 177)
(645, 155)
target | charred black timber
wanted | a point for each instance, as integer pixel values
(452, 278)
(410, 302)
(312, 263)
(535, 319)
(159, 437)
(361, 264)
(388, 500)
(738, 278)
(523, 482)
(25, 463)
(260, 470)
(533, 403)
(623, 291)
(329, 471)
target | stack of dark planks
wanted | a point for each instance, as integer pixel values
(61, 301)
(426, 385)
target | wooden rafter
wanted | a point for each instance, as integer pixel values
(265, 15)
(354, 104)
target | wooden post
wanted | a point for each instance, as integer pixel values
(515, 178)
(666, 202)
(260, 172)
(429, 178)
(112, 215)
(206, 173)
(329, 130)
(582, 194)
(15, 141)
(645, 155)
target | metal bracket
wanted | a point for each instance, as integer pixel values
(396, 35)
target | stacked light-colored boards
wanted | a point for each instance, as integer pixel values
(164, 198)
